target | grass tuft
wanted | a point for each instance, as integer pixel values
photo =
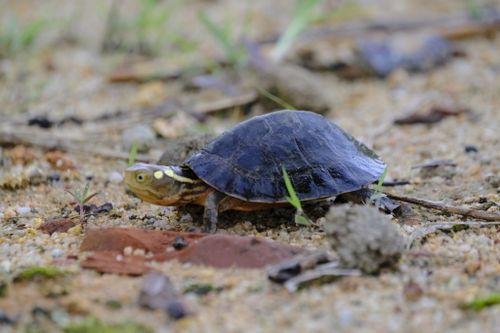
(16, 38)
(37, 272)
(234, 53)
(275, 99)
(302, 17)
(82, 197)
(377, 190)
(293, 199)
(483, 302)
(132, 154)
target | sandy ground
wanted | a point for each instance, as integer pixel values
(425, 293)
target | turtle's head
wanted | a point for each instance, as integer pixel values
(158, 184)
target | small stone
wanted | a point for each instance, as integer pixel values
(179, 243)
(412, 291)
(474, 170)
(59, 161)
(56, 225)
(151, 94)
(5, 266)
(177, 310)
(471, 149)
(36, 222)
(141, 135)
(56, 253)
(471, 267)
(21, 155)
(115, 177)
(31, 232)
(157, 292)
(128, 250)
(54, 177)
(139, 252)
(23, 210)
(77, 306)
(76, 230)
(9, 213)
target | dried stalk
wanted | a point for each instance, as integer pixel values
(468, 212)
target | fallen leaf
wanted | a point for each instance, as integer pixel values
(217, 250)
(434, 115)
(56, 225)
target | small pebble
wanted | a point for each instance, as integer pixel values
(141, 135)
(115, 177)
(128, 250)
(186, 218)
(177, 310)
(56, 253)
(139, 252)
(54, 177)
(471, 149)
(23, 210)
(179, 243)
(5, 266)
(76, 230)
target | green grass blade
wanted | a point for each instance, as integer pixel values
(377, 190)
(221, 36)
(133, 154)
(293, 199)
(302, 17)
(483, 302)
(275, 99)
(302, 220)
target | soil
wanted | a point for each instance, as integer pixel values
(64, 78)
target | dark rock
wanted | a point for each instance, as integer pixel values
(6, 319)
(54, 177)
(104, 208)
(158, 293)
(41, 121)
(471, 149)
(179, 243)
(177, 310)
(416, 53)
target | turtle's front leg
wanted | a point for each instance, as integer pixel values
(212, 211)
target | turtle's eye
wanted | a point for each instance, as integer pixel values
(140, 177)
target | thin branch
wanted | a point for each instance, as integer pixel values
(469, 212)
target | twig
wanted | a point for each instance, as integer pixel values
(474, 213)
(421, 233)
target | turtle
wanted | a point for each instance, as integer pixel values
(243, 168)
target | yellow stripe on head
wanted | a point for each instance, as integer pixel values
(171, 173)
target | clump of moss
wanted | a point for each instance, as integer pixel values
(483, 302)
(200, 289)
(39, 272)
(92, 325)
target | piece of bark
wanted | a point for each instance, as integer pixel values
(220, 251)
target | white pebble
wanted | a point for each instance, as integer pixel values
(56, 253)
(23, 210)
(5, 266)
(345, 317)
(115, 177)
